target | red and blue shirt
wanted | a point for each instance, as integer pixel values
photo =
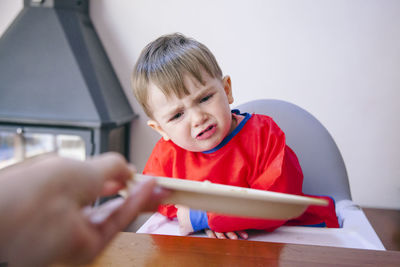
(254, 155)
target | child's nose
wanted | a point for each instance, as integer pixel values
(198, 117)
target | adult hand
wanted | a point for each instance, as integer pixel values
(41, 206)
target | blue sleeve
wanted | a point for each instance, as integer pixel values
(198, 219)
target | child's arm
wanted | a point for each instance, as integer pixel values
(183, 215)
(194, 220)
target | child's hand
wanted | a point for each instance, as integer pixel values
(229, 235)
(183, 215)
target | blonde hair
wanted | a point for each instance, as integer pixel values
(165, 61)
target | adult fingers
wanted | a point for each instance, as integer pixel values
(112, 187)
(113, 173)
(144, 196)
(73, 179)
(81, 181)
(99, 213)
(112, 166)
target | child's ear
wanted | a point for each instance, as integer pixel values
(226, 81)
(156, 127)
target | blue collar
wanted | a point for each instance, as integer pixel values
(247, 116)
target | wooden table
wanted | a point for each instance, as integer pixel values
(130, 249)
(386, 223)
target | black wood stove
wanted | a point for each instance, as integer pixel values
(58, 90)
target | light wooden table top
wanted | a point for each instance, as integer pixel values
(131, 249)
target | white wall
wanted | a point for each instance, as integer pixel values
(338, 59)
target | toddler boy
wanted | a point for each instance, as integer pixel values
(181, 88)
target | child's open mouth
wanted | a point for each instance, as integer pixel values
(209, 131)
